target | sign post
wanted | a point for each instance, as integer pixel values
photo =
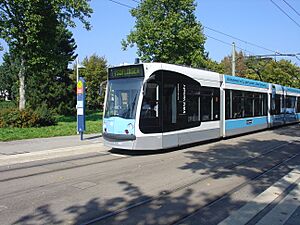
(80, 107)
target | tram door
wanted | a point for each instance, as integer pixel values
(170, 99)
(180, 108)
(151, 112)
(170, 104)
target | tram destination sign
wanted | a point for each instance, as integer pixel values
(126, 72)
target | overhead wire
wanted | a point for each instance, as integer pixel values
(136, 1)
(246, 42)
(227, 43)
(222, 33)
(121, 4)
(289, 5)
(285, 13)
(127, 6)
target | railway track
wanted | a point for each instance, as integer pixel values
(218, 169)
(69, 167)
(106, 218)
(73, 164)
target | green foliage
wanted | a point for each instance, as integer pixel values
(48, 80)
(167, 31)
(240, 64)
(51, 85)
(25, 118)
(8, 77)
(23, 21)
(282, 72)
(214, 66)
(33, 30)
(66, 125)
(94, 73)
(7, 105)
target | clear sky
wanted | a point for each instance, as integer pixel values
(255, 21)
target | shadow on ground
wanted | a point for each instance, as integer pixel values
(136, 207)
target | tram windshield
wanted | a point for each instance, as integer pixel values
(122, 97)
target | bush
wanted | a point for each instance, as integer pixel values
(26, 118)
(7, 104)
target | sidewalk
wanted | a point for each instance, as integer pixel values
(284, 212)
(42, 144)
(24, 151)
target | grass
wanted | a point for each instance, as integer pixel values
(66, 126)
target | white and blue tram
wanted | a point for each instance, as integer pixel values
(156, 106)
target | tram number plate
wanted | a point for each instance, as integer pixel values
(249, 122)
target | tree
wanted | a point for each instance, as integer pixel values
(24, 25)
(214, 66)
(240, 64)
(282, 72)
(167, 31)
(49, 82)
(8, 78)
(94, 73)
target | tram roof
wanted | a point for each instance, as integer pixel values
(197, 74)
(202, 74)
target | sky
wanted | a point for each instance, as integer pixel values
(257, 22)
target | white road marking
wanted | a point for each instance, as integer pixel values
(118, 155)
(3, 207)
(285, 208)
(248, 211)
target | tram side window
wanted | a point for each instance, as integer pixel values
(193, 104)
(169, 104)
(298, 105)
(249, 104)
(257, 104)
(210, 104)
(277, 105)
(290, 104)
(228, 104)
(150, 121)
(242, 104)
(265, 104)
(206, 104)
(238, 107)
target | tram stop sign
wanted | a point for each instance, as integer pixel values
(80, 105)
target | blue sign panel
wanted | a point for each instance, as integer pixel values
(245, 82)
(81, 105)
(294, 90)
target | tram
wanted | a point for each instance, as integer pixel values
(153, 106)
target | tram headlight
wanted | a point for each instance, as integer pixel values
(130, 126)
(129, 129)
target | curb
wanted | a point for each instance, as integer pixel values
(7, 160)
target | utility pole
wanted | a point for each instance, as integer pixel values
(233, 59)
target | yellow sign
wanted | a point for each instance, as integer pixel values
(80, 87)
(79, 84)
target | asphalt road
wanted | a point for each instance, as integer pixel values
(200, 184)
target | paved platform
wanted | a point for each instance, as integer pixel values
(41, 144)
(285, 211)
